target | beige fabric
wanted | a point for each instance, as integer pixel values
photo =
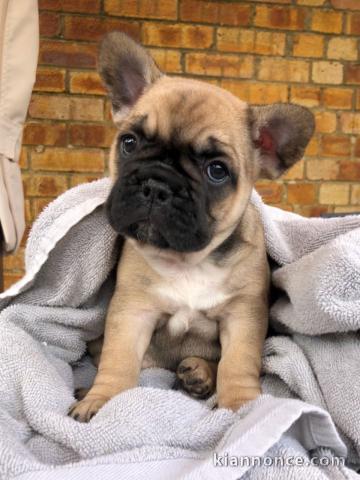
(19, 45)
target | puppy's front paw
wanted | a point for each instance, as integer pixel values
(85, 409)
(196, 377)
(235, 401)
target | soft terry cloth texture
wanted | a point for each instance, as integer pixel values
(153, 431)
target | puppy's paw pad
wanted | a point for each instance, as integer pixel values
(84, 410)
(196, 377)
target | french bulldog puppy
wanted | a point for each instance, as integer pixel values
(193, 278)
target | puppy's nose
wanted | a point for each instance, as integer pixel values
(155, 191)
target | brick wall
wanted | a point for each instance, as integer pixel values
(304, 51)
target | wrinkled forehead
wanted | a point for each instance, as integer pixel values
(189, 112)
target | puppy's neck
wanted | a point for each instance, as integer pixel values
(171, 264)
(168, 263)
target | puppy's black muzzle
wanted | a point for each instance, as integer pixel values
(154, 204)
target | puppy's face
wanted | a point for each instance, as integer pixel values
(187, 153)
(184, 166)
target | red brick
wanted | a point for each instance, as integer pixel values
(220, 65)
(230, 13)
(94, 28)
(355, 196)
(357, 148)
(349, 171)
(23, 160)
(311, 3)
(312, 210)
(256, 93)
(80, 6)
(50, 106)
(179, 35)
(44, 185)
(250, 41)
(285, 207)
(307, 96)
(312, 150)
(50, 24)
(10, 278)
(342, 48)
(335, 146)
(14, 261)
(301, 193)
(322, 169)
(308, 45)
(76, 180)
(90, 109)
(88, 135)
(169, 61)
(352, 73)
(26, 235)
(273, 1)
(338, 98)
(334, 193)
(68, 160)
(86, 82)
(326, 21)
(327, 72)
(67, 54)
(347, 209)
(28, 213)
(282, 69)
(108, 111)
(164, 9)
(350, 122)
(346, 4)
(45, 134)
(59, 107)
(270, 192)
(296, 172)
(353, 23)
(286, 18)
(50, 80)
(39, 204)
(325, 122)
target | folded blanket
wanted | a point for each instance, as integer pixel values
(309, 412)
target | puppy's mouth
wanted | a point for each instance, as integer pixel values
(144, 232)
(159, 235)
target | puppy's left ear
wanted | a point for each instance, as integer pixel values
(126, 69)
(280, 133)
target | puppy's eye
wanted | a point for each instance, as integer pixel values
(217, 172)
(128, 143)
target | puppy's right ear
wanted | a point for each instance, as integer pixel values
(126, 70)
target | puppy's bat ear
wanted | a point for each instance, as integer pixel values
(126, 70)
(280, 133)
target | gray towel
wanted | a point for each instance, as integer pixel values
(310, 406)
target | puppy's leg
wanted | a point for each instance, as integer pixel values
(128, 330)
(197, 376)
(242, 335)
(94, 348)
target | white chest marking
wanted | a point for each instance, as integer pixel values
(198, 288)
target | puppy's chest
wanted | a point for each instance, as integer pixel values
(198, 288)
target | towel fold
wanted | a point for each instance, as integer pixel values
(310, 407)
